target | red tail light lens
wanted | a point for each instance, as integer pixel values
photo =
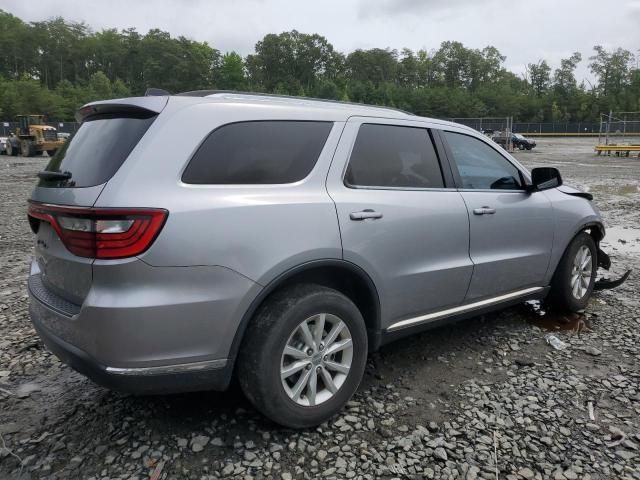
(101, 232)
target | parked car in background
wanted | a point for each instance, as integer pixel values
(3, 145)
(517, 140)
(282, 240)
(63, 135)
(522, 142)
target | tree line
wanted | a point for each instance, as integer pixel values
(54, 66)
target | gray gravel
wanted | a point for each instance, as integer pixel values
(484, 398)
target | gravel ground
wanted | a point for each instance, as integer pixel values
(484, 398)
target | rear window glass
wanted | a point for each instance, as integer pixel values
(263, 152)
(95, 152)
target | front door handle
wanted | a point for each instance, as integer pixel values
(484, 211)
(365, 214)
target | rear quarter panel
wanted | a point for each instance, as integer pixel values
(258, 231)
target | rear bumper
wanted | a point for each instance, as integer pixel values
(144, 329)
(214, 375)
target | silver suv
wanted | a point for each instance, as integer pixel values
(182, 240)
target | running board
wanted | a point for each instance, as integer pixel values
(410, 322)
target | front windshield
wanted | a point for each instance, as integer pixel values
(518, 136)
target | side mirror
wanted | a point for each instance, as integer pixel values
(544, 178)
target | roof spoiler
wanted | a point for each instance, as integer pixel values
(153, 104)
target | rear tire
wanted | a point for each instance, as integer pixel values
(277, 343)
(51, 153)
(521, 147)
(574, 279)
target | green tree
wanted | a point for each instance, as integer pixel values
(54, 66)
(612, 69)
(290, 61)
(231, 74)
(100, 86)
(565, 102)
(539, 76)
(375, 65)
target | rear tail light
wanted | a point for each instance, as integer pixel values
(101, 232)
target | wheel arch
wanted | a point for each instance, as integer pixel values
(594, 228)
(346, 277)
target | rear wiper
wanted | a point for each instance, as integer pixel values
(51, 175)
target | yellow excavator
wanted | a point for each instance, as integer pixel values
(32, 137)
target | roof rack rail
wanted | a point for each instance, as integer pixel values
(206, 93)
(156, 92)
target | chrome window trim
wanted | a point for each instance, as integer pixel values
(493, 190)
(401, 189)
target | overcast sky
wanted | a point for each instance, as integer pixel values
(524, 31)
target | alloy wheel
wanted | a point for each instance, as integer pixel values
(316, 359)
(581, 272)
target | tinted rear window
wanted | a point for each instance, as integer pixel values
(264, 152)
(95, 152)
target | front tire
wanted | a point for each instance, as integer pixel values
(575, 277)
(303, 356)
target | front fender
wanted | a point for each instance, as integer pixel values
(571, 215)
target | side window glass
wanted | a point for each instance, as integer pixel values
(260, 152)
(480, 166)
(394, 156)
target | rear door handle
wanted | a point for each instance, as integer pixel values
(365, 214)
(484, 211)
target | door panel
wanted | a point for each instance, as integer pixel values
(414, 243)
(417, 251)
(510, 248)
(511, 231)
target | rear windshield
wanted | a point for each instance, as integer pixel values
(95, 152)
(260, 152)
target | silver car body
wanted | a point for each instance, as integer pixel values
(178, 311)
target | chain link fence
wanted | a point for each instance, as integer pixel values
(551, 129)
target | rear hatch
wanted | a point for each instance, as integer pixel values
(70, 234)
